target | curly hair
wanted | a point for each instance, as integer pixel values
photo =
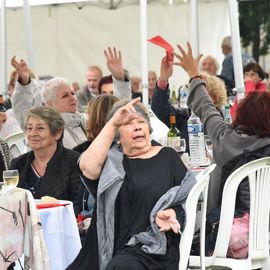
(216, 90)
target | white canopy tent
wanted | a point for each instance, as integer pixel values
(69, 37)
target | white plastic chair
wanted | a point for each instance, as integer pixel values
(191, 208)
(17, 144)
(258, 172)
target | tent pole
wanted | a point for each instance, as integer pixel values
(195, 27)
(144, 72)
(3, 45)
(28, 32)
(236, 49)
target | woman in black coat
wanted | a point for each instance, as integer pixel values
(49, 169)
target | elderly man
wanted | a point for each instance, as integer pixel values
(56, 93)
(90, 90)
(227, 65)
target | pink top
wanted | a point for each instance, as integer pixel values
(250, 86)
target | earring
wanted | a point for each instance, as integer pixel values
(119, 145)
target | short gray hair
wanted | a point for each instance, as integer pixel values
(227, 42)
(49, 116)
(212, 58)
(140, 109)
(50, 88)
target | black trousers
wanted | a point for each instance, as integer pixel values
(133, 258)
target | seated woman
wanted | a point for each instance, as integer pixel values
(254, 76)
(49, 169)
(250, 130)
(98, 109)
(128, 180)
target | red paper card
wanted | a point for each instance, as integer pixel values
(160, 41)
(50, 205)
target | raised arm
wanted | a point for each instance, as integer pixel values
(161, 105)
(22, 69)
(188, 62)
(26, 93)
(93, 158)
(199, 100)
(120, 81)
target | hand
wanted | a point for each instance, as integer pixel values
(22, 69)
(166, 221)
(125, 114)
(114, 63)
(166, 69)
(187, 61)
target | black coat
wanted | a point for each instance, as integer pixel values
(61, 179)
(162, 107)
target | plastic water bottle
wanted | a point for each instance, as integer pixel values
(183, 94)
(196, 141)
(227, 116)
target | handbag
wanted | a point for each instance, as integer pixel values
(238, 245)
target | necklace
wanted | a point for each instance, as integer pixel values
(40, 168)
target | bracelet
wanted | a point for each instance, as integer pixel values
(195, 77)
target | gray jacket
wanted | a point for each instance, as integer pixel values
(110, 182)
(83, 96)
(227, 142)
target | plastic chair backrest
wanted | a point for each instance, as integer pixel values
(17, 143)
(258, 172)
(191, 209)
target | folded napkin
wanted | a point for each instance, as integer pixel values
(50, 205)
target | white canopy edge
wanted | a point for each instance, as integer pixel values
(19, 3)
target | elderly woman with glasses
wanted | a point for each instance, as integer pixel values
(139, 190)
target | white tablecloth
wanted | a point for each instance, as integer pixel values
(61, 235)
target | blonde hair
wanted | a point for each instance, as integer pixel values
(216, 90)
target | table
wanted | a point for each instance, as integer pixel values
(61, 234)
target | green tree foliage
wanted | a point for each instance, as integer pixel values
(254, 23)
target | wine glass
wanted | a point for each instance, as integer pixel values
(11, 178)
(208, 147)
(163, 141)
(183, 146)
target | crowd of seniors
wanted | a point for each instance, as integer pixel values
(117, 173)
